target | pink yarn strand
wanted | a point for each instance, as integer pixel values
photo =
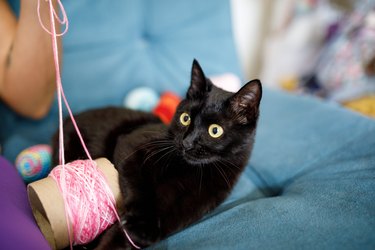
(63, 175)
(64, 20)
(59, 90)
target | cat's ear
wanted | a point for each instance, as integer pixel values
(245, 103)
(199, 84)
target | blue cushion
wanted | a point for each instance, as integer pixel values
(111, 48)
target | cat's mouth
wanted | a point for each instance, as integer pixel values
(196, 158)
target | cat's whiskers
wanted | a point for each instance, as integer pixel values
(145, 145)
(222, 173)
(201, 179)
(166, 153)
(229, 171)
(151, 131)
(165, 166)
(153, 153)
(225, 162)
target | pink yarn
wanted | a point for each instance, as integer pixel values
(89, 203)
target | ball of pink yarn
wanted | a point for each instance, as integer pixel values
(89, 202)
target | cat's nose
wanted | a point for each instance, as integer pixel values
(188, 144)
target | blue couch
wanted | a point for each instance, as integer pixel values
(310, 183)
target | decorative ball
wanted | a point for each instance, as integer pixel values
(167, 106)
(142, 98)
(34, 162)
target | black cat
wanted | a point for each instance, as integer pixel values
(170, 176)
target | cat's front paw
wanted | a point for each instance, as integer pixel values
(143, 231)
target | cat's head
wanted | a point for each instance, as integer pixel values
(211, 124)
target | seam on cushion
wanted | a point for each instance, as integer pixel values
(261, 183)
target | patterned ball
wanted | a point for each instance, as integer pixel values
(34, 162)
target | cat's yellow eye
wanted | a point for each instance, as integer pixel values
(185, 119)
(215, 130)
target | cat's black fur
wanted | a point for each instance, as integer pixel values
(170, 176)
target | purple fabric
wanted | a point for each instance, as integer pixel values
(18, 229)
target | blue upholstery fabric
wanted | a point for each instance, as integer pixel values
(311, 179)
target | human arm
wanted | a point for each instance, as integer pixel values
(27, 71)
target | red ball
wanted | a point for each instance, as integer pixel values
(167, 106)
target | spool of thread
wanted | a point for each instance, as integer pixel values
(142, 98)
(167, 106)
(48, 206)
(34, 162)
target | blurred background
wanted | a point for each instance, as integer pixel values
(319, 48)
(324, 48)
